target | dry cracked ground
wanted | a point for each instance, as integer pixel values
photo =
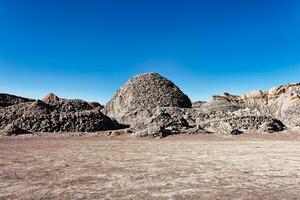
(176, 167)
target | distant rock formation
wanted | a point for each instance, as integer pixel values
(51, 99)
(143, 93)
(9, 100)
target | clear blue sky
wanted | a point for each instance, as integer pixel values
(88, 49)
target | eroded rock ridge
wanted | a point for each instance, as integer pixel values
(154, 106)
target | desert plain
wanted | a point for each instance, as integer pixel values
(64, 166)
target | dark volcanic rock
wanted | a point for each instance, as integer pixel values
(39, 106)
(12, 129)
(96, 105)
(70, 105)
(9, 100)
(142, 94)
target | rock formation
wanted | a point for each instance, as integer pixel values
(154, 106)
(8, 100)
(281, 102)
(207, 120)
(143, 93)
(57, 115)
(51, 99)
(225, 114)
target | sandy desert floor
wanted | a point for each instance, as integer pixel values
(176, 167)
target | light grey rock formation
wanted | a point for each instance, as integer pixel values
(146, 104)
(143, 93)
(204, 121)
(282, 103)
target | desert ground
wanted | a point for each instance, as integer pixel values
(247, 166)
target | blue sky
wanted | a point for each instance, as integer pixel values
(88, 49)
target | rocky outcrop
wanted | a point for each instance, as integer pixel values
(143, 93)
(70, 104)
(171, 120)
(281, 102)
(9, 100)
(146, 104)
(51, 99)
(285, 104)
(57, 116)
